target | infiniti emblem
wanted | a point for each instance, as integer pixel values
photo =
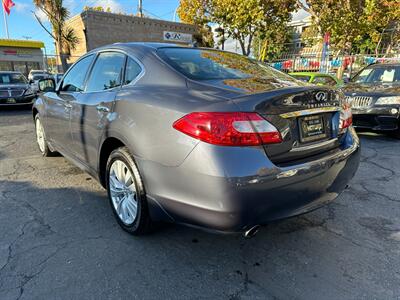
(321, 96)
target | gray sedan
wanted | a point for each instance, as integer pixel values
(198, 136)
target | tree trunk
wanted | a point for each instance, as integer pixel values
(248, 50)
(63, 58)
(242, 46)
(379, 43)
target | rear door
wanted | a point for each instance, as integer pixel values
(59, 104)
(91, 111)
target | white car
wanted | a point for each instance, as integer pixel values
(32, 73)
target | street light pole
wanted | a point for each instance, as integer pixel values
(140, 8)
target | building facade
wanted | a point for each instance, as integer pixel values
(298, 26)
(96, 28)
(21, 55)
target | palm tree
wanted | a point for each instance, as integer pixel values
(63, 35)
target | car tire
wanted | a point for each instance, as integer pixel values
(126, 193)
(41, 138)
(396, 134)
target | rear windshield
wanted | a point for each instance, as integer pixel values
(12, 78)
(378, 74)
(201, 64)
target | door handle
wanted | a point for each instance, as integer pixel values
(104, 109)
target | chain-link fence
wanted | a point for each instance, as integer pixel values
(338, 65)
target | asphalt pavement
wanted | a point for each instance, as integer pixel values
(59, 239)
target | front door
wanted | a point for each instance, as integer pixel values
(61, 103)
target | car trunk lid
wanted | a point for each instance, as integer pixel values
(307, 118)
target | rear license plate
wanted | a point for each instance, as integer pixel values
(312, 128)
(11, 100)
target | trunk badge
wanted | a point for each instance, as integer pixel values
(321, 96)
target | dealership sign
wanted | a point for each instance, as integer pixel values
(177, 37)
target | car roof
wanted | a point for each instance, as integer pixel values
(384, 64)
(140, 47)
(10, 72)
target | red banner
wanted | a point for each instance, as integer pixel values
(7, 5)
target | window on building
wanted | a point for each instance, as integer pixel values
(5, 66)
(107, 72)
(74, 80)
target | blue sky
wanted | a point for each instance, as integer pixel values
(22, 24)
(21, 21)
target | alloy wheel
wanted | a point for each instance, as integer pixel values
(123, 192)
(40, 136)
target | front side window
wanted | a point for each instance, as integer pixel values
(75, 79)
(107, 72)
(132, 71)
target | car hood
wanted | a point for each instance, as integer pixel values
(13, 86)
(371, 88)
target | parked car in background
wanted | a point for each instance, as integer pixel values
(15, 89)
(318, 78)
(35, 80)
(198, 136)
(374, 94)
(32, 73)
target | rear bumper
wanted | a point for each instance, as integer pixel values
(385, 118)
(232, 189)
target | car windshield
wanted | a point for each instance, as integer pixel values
(38, 77)
(201, 64)
(378, 74)
(12, 78)
(304, 78)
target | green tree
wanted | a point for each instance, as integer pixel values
(240, 20)
(353, 24)
(63, 35)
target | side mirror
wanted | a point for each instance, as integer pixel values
(47, 85)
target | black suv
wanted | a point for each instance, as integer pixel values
(374, 94)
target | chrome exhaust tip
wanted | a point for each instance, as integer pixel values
(251, 232)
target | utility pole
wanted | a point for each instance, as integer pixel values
(140, 8)
(5, 21)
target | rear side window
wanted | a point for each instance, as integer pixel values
(107, 72)
(133, 70)
(200, 64)
(75, 78)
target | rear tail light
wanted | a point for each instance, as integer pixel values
(346, 116)
(229, 128)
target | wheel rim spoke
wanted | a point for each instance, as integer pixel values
(40, 135)
(123, 192)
